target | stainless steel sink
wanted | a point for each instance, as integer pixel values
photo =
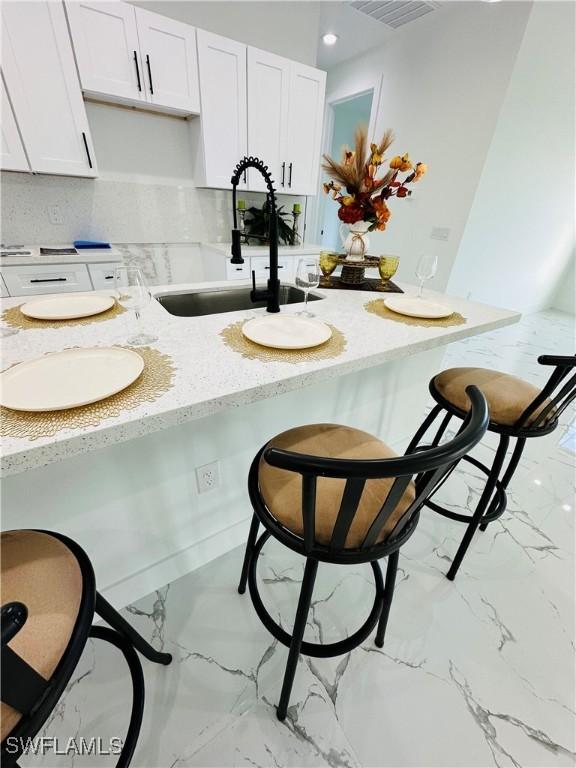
(214, 302)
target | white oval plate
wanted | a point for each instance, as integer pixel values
(415, 307)
(69, 379)
(286, 332)
(67, 307)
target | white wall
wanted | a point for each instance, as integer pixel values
(565, 296)
(289, 29)
(519, 238)
(445, 78)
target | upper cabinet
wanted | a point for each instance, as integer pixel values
(268, 99)
(305, 121)
(107, 49)
(40, 76)
(285, 116)
(13, 156)
(129, 54)
(222, 66)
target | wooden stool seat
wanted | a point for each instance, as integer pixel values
(282, 490)
(39, 571)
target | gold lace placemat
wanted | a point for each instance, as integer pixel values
(155, 380)
(377, 307)
(15, 319)
(235, 339)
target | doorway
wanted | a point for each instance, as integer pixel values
(346, 116)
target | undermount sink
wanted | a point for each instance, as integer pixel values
(214, 302)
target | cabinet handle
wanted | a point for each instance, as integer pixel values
(283, 173)
(280, 266)
(245, 178)
(108, 277)
(49, 280)
(149, 74)
(87, 150)
(137, 71)
(290, 175)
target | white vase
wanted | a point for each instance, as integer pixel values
(355, 240)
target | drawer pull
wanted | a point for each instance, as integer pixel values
(280, 266)
(149, 73)
(108, 277)
(239, 269)
(49, 280)
(137, 71)
(290, 175)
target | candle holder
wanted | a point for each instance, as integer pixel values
(295, 227)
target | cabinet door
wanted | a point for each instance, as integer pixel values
(12, 157)
(168, 51)
(268, 88)
(106, 46)
(48, 278)
(306, 110)
(222, 66)
(41, 78)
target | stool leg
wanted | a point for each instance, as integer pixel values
(298, 633)
(248, 553)
(423, 428)
(514, 460)
(481, 507)
(441, 429)
(388, 595)
(117, 622)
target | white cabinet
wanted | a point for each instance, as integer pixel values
(168, 51)
(238, 271)
(268, 89)
(29, 280)
(40, 75)
(132, 55)
(222, 68)
(12, 157)
(107, 48)
(261, 266)
(285, 115)
(3, 290)
(306, 114)
(102, 275)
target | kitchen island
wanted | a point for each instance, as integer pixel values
(126, 489)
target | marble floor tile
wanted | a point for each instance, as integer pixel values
(474, 673)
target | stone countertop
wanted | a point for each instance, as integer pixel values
(210, 377)
(264, 250)
(83, 256)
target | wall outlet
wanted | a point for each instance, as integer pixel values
(208, 477)
(440, 233)
(55, 214)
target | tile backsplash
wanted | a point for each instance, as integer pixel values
(115, 211)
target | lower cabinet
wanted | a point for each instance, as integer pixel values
(102, 275)
(49, 278)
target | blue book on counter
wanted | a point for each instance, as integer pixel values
(85, 244)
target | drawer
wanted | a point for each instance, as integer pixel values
(3, 290)
(260, 264)
(238, 271)
(102, 275)
(47, 278)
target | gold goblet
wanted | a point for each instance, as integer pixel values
(387, 267)
(328, 263)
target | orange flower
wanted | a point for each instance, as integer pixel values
(401, 163)
(382, 213)
(419, 171)
(375, 157)
(348, 200)
(331, 186)
(349, 157)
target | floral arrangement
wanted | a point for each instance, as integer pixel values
(365, 195)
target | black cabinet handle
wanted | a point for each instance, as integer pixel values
(87, 150)
(245, 178)
(49, 280)
(149, 73)
(283, 173)
(137, 71)
(108, 277)
(280, 266)
(290, 175)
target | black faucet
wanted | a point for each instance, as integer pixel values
(271, 294)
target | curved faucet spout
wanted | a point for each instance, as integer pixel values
(272, 293)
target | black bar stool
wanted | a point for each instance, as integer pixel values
(335, 494)
(49, 599)
(518, 410)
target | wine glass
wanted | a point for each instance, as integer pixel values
(307, 276)
(328, 263)
(387, 267)
(426, 269)
(133, 293)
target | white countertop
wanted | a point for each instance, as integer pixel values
(264, 250)
(210, 377)
(83, 256)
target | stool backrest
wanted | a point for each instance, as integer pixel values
(430, 466)
(557, 394)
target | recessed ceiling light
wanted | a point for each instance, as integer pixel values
(329, 38)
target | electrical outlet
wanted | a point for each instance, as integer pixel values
(208, 477)
(440, 233)
(55, 214)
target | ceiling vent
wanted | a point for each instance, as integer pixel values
(395, 13)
